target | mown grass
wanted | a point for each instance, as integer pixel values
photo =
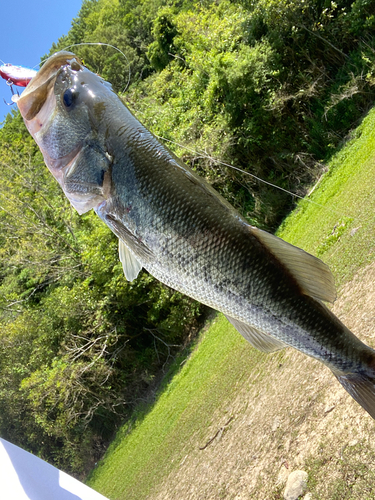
(337, 225)
(207, 380)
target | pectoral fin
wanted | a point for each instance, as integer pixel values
(130, 264)
(138, 249)
(312, 275)
(257, 339)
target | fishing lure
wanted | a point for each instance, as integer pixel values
(16, 75)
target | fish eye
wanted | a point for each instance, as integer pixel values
(69, 97)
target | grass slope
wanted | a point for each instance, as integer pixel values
(139, 459)
(336, 227)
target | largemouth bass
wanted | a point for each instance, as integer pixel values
(174, 224)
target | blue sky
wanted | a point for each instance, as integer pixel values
(28, 29)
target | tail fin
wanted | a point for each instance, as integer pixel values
(362, 388)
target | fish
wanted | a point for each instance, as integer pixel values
(172, 223)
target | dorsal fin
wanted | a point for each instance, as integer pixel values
(257, 339)
(130, 264)
(312, 275)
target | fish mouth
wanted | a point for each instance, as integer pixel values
(40, 88)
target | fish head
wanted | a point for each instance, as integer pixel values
(63, 107)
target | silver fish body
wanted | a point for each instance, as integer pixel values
(176, 226)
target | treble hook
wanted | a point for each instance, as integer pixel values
(10, 85)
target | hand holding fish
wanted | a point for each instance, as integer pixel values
(174, 224)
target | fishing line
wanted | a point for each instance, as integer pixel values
(180, 145)
(103, 45)
(205, 155)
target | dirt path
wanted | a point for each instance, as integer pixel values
(297, 417)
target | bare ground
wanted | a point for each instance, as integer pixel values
(297, 417)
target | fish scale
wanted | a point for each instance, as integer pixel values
(175, 225)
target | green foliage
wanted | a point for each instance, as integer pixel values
(164, 31)
(78, 343)
(270, 87)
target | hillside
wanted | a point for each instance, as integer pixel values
(233, 422)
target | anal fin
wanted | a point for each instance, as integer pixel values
(130, 264)
(259, 340)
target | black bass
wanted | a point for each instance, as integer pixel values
(176, 226)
